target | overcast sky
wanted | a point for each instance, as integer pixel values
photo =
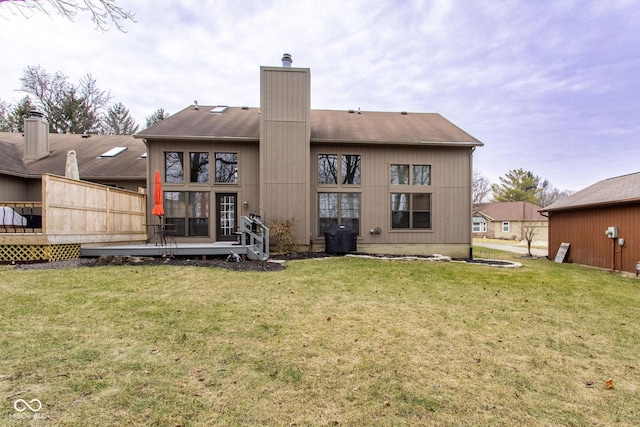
(552, 87)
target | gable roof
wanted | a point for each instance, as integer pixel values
(336, 126)
(618, 190)
(126, 165)
(387, 128)
(241, 123)
(509, 211)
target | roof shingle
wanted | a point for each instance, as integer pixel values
(617, 190)
(326, 126)
(127, 165)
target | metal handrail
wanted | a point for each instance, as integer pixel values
(255, 237)
(20, 217)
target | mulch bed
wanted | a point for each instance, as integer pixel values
(275, 263)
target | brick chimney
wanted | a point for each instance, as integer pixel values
(36, 136)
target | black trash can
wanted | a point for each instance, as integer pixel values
(340, 240)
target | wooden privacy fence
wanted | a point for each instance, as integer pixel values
(74, 213)
(84, 212)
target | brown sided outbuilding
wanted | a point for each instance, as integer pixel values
(601, 223)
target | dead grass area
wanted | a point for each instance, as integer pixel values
(334, 341)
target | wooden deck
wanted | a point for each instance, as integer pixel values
(171, 249)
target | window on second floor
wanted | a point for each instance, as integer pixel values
(227, 168)
(348, 173)
(199, 167)
(174, 167)
(414, 174)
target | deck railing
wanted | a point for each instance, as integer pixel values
(20, 217)
(255, 237)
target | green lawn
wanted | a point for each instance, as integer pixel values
(336, 341)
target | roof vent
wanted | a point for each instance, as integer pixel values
(404, 113)
(85, 135)
(286, 60)
(351, 111)
(244, 107)
(196, 104)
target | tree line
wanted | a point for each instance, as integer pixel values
(70, 108)
(517, 185)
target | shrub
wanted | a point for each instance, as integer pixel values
(281, 234)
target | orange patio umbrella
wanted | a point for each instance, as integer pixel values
(158, 209)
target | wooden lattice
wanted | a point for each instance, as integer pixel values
(25, 253)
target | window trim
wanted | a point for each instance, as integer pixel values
(411, 176)
(482, 225)
(340, 217)
(339, 156)
(410, 211)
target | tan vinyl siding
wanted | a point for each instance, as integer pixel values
(247, 187)
(14, 189)
(450, 190)
(284, 147)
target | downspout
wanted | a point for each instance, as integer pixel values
(473, 149)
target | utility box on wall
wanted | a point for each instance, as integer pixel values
(612, 232)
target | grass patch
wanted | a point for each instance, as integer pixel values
(336, 341)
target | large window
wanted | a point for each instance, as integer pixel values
(227, 168)
(420, 174)
(327, 169)
(350, 169)
(174, 167)
(339, 209)
(411, 211)
(187, 212)
(199, 167)
(399, 174)
(347, 174)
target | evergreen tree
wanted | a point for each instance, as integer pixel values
(156, 117)
(4, 116)
(517, 185)
(118, 121)
(14, 121)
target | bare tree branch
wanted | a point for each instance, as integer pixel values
(103, 12)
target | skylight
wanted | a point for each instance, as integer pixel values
(114, 152)
(220, 109)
